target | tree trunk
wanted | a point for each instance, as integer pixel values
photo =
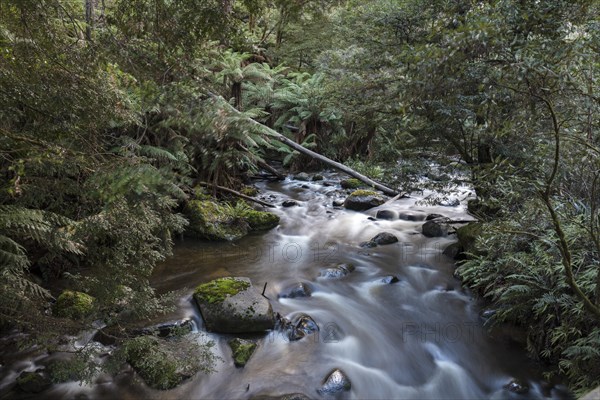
(316, 156)
(89, 19)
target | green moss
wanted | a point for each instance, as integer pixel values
(351, 183)
(358, 193)
(467, 235)
(74, 305)
(260, 220)
(213, 221)
(156, 366)
(249, 191)
(216, 291)
(242, 351)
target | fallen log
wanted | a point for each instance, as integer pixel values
(308, 152)
(236, 193)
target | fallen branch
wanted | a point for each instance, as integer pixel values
(236, 193)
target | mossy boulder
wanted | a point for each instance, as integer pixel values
(213, 221)
(74, 305)
(361, 200)
(242, 350)
(467, 235)
(159, 365)
(260, 220)
(33, 382)
(249, 191)
(351, 183)
(233, 305)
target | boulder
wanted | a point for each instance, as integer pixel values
(213, 221)
(337, 272)
(467, 235)
(453, 251)
(33, 382)
(435, 228)
(351, 183)
(338, 203)
(411, 216)
(259, 220)
(299, 289)
(241, 350)
(289, 203)
(74, 305)
(301, 326)
(380, 239)
(302, 176)
(387, 214)
(233, 305)
(431, 217)
(361, 200)
(335, 382)
(317, 177)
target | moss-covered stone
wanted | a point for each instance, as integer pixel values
(249, 191)
(362, 192)
(160, 367)
(260, 220)
(467, 235)
(33, 382)
(213, 221)
(242, 351)
(216, 291)
(74, 305)
(361, 200)
(351, 183)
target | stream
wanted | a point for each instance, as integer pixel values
(419, 338)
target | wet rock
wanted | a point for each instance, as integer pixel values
(305, 187)
(289, 203)
(435, 228)
(338, 203)
(389, 279)
(336, 382)
(431, 217)
(214, 221)
(337, 272)
(317, 178)
(387, 215)
(411, 216)
(517, 386)
(33, 382)
(233, 305)
(287, 396)
(467, 235)
(241, 350)
(171, 328)
(380, 239)
(449, 202)
(452, 251)
(361, 200)
(372, 219)
(351, 183)
(328, 184)
(299, 289)
(303, 325)
(302, 176)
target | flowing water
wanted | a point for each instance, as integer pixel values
(419, 338)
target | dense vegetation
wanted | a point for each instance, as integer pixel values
(112, 111)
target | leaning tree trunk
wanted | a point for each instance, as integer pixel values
(304, 150)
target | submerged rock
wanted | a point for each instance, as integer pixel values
(361, 200)
(337, 272)
(449, 202)
(336, 382)
(289, 203)
(452, 251)
(233, 305)
(242, 350)
(338, 203)
(389, 279)
(435, 228)
(380, 239)
(299, 289)
(317, 177)
(387, 215)
(434, 216)
(33, 382)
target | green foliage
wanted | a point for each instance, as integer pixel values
(219, 289)
(74, 305)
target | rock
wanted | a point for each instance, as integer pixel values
(411, 216)
(380, 239)
(259, 220)
(387, 214)
(289, 203)
(171, 328)
(299, 289)
(449, 202)
(242, 350)
(302, 176)
(301, 326)
(467, 235)
(212, 221)
(517, 386)
(435, 228)
(233, 305)
(328, 184)
(338, 203)
(351, 183)
(337, 272)
(287, 396)
(361, 200)
(389, 279)
(317, 177)
(452, 251)
(74, 305)
(487, 314)
(483, 209)
(33, 382)
(431, 217)
(336, 382)
(305, 187)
